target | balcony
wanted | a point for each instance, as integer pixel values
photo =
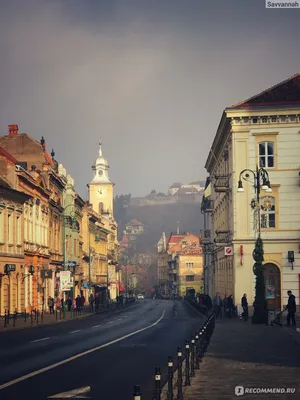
(207, 206)
(222, 237)
(221, 184)
(206, 236)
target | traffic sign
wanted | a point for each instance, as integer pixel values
(228, 251)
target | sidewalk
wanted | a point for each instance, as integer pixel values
(48, 319)
(252, 356)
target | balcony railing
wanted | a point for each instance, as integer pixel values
(222, 237)
(207, 206)
(222, 183)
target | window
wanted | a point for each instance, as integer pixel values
(190, 278)
(2, 226)
(266, 154)
(268, 214)
(101, 207)
(19, 230)
(10, 229)
(190, 265)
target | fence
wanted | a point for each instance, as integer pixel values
(188, 361)
(36, 317)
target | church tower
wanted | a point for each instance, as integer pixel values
(101, 188)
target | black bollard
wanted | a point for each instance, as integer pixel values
(187, 363)
(179, 377)
(197, 364)
(8, 317)
(170, 378)
(157, 391)
(42, 316)
(25, 316)
(56, 314)
(37, 317)
(14, 318)
(192, 358)
(60, 313)
(5, 319)
(31, 316)
(137, 393)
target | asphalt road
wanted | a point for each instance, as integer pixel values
(122, 348)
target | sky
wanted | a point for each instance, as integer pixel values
(150, 77)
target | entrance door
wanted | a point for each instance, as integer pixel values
(273, 289)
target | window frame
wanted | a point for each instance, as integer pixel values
(266, 155)
(275, 196)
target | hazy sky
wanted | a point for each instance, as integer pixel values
(150, 77)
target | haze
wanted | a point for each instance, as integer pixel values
(150, 77)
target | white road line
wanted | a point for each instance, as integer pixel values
(126, 316)
(110, 322)
(78, 330)
(40, 340)
(67, 360)
(96, 326)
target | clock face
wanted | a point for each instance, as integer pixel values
(100, 172)
(100, 191)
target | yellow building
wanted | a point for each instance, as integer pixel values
(262, 131)
(94, 268)
(12, 258)
(101, 197)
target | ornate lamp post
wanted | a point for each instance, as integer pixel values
(261, 182)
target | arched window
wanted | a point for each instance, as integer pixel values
(101, 207)
(266, 154)
(268, 214)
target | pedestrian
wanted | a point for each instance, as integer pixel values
(51, 304)
(218, 305)
(291, 307)
(229, 306)
(69, 303)
(244, 304)
(78, 303)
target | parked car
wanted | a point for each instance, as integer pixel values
(140, 296)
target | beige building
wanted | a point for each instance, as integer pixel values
(12, 258)
(180, 265)
(262, 131)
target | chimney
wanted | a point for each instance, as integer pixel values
(13, 130)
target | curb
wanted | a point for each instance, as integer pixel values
(16, 329)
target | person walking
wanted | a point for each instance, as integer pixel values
(218, 305)
(291, 307)
(244, 304)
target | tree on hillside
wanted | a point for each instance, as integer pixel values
(121, 203)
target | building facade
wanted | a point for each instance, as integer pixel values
(261, 132)
(12, 258)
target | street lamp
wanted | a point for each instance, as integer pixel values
(261, 182)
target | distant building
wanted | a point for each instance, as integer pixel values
(180, 189)
(180, 264)
(134, 227)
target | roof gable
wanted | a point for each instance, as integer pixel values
(284, 93)
(7, 155)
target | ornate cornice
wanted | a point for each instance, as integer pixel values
(268, 119)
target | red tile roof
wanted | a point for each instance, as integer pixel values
(192, 250)
(175, 238)
(286, 92)
(135, 222)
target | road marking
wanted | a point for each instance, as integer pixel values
(110, 322)
(40, 340)
(78, 330)
(96, 326)
(67, 360)
(126, 316)
(72, 394)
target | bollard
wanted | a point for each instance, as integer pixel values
(170, 378)
(5, 319)
(8, 317)
(60, 313)
(25, 316)
(192, 358)
(187, 363)
(56, 314)
(197, 363)
(31, 316)
(179, 377)
(14, 318)
(137, 393)
(42, 316)
(37, 317)
(35, 314)
(157, 391)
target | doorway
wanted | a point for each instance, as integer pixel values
(273, 287)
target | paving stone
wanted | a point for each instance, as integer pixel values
(252, 356)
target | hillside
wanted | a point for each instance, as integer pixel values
(159, 218)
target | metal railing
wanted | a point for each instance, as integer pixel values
(181, 371)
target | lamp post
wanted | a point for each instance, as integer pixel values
(261, 182)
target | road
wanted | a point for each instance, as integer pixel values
(109, 353)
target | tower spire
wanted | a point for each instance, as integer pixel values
(100, 148)
(177, 227)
